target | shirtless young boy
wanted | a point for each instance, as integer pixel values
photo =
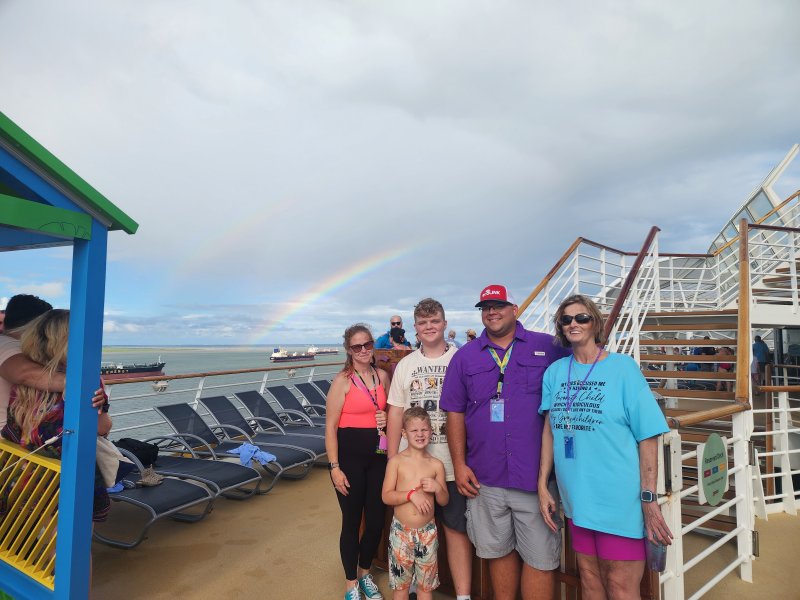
(414, 481)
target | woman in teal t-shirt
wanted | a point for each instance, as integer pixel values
(601, 431)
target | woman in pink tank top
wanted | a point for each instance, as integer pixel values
(356, 444)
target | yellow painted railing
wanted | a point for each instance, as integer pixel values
(29, 512)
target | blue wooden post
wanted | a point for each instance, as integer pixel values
(83, 376)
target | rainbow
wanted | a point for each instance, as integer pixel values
(330, 286)
(228, 238)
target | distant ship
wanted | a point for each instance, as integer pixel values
(120, 371)
(315, 350)
(279, 355)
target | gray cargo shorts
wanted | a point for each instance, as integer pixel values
(500, 520)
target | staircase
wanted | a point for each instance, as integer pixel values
(677, 315)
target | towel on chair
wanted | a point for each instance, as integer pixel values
(248, 452)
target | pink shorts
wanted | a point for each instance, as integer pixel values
(605, 545)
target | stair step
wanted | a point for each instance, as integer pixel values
(687, 358)
(777, 279)
(779, 292)
(694, 313)
(701, 394)
(786, 268)
(689, 375)
(692, 327)
(678, 342)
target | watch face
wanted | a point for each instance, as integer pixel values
(648, 496)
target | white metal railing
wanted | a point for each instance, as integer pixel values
(688, 283)
(643, 295)
(138, 417)
(774, 484)
(674, 499)
(593, 270)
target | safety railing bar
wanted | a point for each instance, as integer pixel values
(138, 426)
(776, 496)
(694, 561)
(153, 394)
(138, 411)
(228, 385)
(690, 491)
(776, 432)
(766, 475)
(711, 514)
(113, 382)
(708, 415)
(719, 577)
(168, 392)
(779, 452)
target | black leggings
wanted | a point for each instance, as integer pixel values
(364, 470)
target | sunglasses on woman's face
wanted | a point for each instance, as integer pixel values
(581, 318)
(356, 348)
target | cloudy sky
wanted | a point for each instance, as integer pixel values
(298, 166)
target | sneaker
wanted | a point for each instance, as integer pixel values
(371, 591)
(353, 593)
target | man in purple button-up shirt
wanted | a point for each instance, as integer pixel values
(492, 393)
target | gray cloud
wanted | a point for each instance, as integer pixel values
(266, 147)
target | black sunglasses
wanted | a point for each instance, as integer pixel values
(396, 323)
(356, 348)
(581, 318)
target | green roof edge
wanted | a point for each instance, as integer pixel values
(45, 159)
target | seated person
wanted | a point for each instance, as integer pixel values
(18, 369)
(35, 416)
(399, 341)
(384, 342)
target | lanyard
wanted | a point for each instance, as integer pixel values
(366, 389)
(570, 397)
(502, 364)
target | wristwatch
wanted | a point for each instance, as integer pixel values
(332, 466)
(647, 496)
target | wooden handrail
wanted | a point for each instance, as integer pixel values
(546, 279)
(626, 286)
(743, 323)
(758, 222)
(779, 388)
(111, 382)
(775, 228)
(707, 415)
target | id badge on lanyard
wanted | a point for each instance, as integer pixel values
(569, 445)
(497, 409)
(497, 405)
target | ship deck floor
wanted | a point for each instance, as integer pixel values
(284, 545)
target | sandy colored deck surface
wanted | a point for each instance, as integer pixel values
(285, 546)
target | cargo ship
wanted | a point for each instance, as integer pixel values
(279, 355)
(314, 350)
(122, 371)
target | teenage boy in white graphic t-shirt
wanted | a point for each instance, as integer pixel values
(417, 381)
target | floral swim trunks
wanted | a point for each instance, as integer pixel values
(413, 551)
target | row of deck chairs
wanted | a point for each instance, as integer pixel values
(294, 434)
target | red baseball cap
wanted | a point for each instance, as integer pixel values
(495, 293)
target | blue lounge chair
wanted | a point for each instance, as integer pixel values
(323, 384)
(290, 462)
(225, 413)
(312, 395)
(171, 498)
(262, 410)
(228, 479)
(292, 406)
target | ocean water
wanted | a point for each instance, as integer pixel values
(131, 404)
